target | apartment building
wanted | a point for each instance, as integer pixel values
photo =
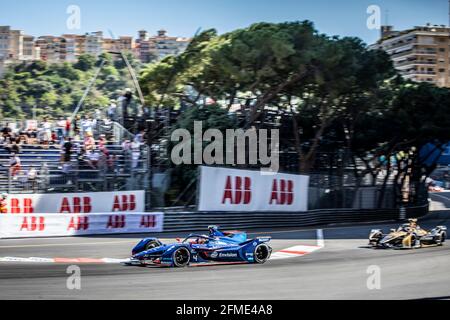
(29, 51)
(4, 42)
(52, 49)
(11, 43)
(93, 43)
(421, 54)
(16, 46)
(166, 45)
(70, 47)
(124, 43)
(159, 46)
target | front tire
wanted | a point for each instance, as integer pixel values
(181, 257)
(442, 238)
(262, 253)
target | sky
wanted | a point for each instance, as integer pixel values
(184, 17)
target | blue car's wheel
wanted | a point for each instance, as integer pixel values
(181, 257)
(261, 253)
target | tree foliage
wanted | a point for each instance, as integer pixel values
(330, 94)
(55, 89)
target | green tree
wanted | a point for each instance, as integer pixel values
(85, 62)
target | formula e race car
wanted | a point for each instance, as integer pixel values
(408, 236)
(216, 247)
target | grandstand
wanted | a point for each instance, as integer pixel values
(49, 174)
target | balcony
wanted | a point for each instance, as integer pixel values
(414, 62)
(418, 72)
(413, 52)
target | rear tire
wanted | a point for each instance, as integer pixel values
(261, 253)
(181, 257)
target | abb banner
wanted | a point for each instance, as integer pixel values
(224, 189)
(60, 225)
(98, 202)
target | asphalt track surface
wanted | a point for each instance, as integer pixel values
(337, 271)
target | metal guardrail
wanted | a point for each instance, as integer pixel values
(190, 221)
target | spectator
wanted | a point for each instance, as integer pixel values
(32, 177)
(102, 142)
(3, 203)
(112, 112)
(112, 164)
(77, 135)
(47, 126)
(13, 148)
(93, 159)
(32, 136)
(67, 171)
(61, 128)
(125, 101)
(135, 154)
(126, 149)
(89, 142)
(140, 137)
(67, 127)
(54, 137)
(126, 146)
(6, 132)
(67, 147)
(86, 126)
(14, 165)
(98, 114)
(76, 124)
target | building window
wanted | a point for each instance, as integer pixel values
(441, 70)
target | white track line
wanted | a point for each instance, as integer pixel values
(63, 260)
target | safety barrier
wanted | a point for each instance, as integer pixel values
(61, 225)
(51, 225)
(188, 221)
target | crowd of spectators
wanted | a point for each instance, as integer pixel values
(75, 140)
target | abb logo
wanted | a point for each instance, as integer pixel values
(148, 221)
(78, 223)
(124, 203)
(116, 222)
(24, 206)
(282, 192)
(33, 224)
(237, 190)
(77, 205)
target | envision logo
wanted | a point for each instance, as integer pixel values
(227, 255)
(235, 146)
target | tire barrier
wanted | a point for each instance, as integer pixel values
(189, 221)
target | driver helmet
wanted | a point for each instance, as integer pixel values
(413, 222)
(4, 196)
(213, 229)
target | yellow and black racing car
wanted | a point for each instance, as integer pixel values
(408, 236)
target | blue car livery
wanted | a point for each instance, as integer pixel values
(218, 246)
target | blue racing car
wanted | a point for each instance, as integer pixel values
(216, 247)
